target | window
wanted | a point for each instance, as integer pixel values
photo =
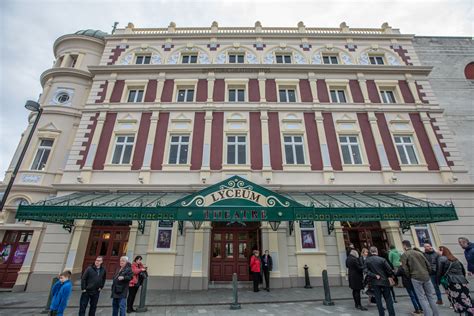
(42, 154)
(165, 230)
(350, 150)
(330, 60)
(236, 150)
(189, 59)
(236, 95)
(287, 95)
(308, 238)
(294, 150)
(123, 149)
(143, 59)
(236, 58)
(62, 97)
(185, 95)
(135, 95)
(338, 96)
(73, 60)
(283, 58)
(387, 96)
(376, 60)
(179, 146)
(406, 150)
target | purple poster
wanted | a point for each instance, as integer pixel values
(164, 238)
(20, 254)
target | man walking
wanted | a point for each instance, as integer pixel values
(379, 272)
(418, 269)
(432, 256)
(92, 282)
(468, 253)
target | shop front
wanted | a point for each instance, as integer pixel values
(193, 239)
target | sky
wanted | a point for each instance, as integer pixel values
(28, 29)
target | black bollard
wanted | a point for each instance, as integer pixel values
(235, 304)
(48, 303)
(141, 307)
(306, 278)
(327, 293)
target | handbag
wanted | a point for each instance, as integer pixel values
(392, 281)
(444, 279)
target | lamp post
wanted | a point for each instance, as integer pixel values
(33, 107)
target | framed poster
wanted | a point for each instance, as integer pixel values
(164, 239)
(307, 239)
(423, 235)
(20, 254)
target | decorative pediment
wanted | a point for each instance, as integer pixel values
(49, 127)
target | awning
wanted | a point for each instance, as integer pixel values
(237, 200)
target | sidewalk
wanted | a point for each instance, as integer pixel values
(155, 298)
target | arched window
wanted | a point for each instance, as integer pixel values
(469, 71)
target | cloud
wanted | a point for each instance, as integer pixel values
(29, 28)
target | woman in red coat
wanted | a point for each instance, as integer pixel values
(255, 266)
(137, 268)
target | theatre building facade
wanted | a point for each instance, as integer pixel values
(194, 146)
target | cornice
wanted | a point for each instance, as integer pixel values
(61, 71)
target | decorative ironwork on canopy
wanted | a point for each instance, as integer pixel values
(237, 200)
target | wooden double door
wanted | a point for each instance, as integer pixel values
(110, 242)
(13, 250)
(365, 235)
(231, 249)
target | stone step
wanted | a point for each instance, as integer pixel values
(228, 285)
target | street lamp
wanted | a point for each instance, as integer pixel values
(33, 107)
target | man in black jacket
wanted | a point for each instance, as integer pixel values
(267, 265)
(432, 256)
(379, 271)
(92, 282)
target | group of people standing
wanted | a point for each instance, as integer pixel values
(125, 284)
(261, 265)
(422, 273)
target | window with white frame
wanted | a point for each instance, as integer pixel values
(189, 59)
(283, 58)
(308, 235)
(236, 150)
(235, 58)
(236, 94)
(330, 59)
(350, 149)
(185, 95)
(338, 95)
(287, 94)
(388, 96)
(179, 147)
(294, 150)
(123, 149)
(42, 154)
(406, 149)
(142, 59)
(164, 234)
(135, 95)
(424, 235)
(376, 60)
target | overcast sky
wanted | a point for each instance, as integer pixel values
(29, 28)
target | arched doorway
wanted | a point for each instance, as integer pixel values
(231, 248)
(108, 239)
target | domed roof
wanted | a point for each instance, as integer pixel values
(92, 33)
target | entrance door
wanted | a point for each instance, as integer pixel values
(365, 235)
(109, 242)
(13, 250)
(231, 249)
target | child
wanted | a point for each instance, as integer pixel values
(61, 292)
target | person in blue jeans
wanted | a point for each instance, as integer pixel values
(410, 290)
(120, 286)
(60, 293)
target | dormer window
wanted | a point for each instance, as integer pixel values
(330, 60)
(236, 58)
(189, 59)
(142, 60)
(376, 60)
(283, 58)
